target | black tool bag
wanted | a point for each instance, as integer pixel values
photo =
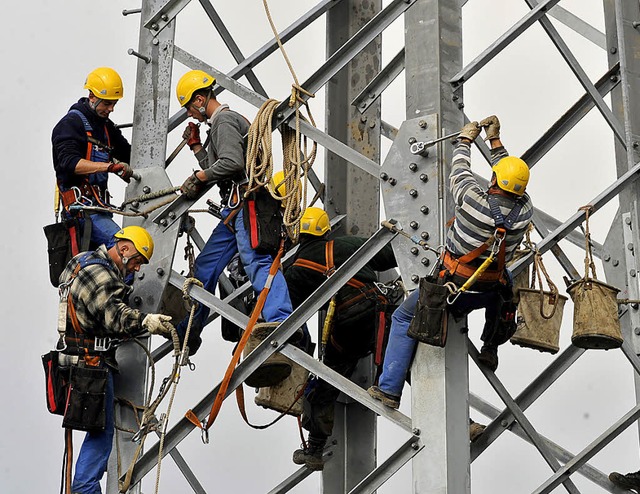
(87, 396)
(263, 221)
(59, 244)
(56, 380)
(429, 323)
(59, 249)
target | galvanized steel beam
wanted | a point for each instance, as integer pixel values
(579, 72)
(233, 47)
(589, 452)
(503, 41)
(278, 338)
(523, 421)
(587, 471)
(376, 87)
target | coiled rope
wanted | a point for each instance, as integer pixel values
(297, 157)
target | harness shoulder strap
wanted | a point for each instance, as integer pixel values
(83, 262)
(328, 268)
(328, 257)
(504, 223)
(89, 130)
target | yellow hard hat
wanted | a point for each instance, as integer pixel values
(105, 83)
(141, 239)
(512, 175)
(191, 82)
(315, 221)
(278, 185)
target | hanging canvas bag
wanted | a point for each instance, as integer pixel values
(539, 313)
(595, 316)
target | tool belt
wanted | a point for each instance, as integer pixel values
(80, 344)
(457, 268)
(84, 194)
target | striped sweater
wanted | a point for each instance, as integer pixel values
(473, 223)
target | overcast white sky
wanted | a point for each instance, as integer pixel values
(47, 48)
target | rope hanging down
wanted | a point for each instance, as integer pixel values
(297, 157)
(224, 385)
(149, 422)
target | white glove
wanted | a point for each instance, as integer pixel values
(157, 324)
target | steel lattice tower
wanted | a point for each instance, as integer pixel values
(413, 190)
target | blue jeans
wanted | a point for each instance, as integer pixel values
(103, 229)
(216, 254)
(401, 347)
(95, 451)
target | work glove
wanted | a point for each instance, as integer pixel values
(192, 186)
(491, 127)
(470, 131)
(192, 134)
(158, 324)
(123, 170)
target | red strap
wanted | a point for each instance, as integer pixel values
(253, 224)
(73, 235)
(382, 323)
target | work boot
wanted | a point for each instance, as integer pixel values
(310, 456)
(388, 400)
(628, 481)
(475, 430)
(489, 357)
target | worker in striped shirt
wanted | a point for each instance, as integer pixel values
(478, 213)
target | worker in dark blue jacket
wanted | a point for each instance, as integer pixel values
(87, 146)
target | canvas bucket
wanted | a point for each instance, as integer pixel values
(539, 325)
(595, 317)
(282, 396)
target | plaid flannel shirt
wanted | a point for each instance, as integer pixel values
(100, 298)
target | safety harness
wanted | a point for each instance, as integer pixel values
(366, 290)
(464, 266)
(73, 339)
(75, 347)
(86, 193)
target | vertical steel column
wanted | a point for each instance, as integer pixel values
(440, 402)
(355, 193)
(151, 117)
(623, 44)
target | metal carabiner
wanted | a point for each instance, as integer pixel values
(382, 288)
(137, 437)
(102, 344)
(205, 434)
(62, 339)
(455, 295)
(235, 190)
(498, 237)
(81, 199)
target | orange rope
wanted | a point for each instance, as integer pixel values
(217, 404)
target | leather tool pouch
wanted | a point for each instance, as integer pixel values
(429, 324)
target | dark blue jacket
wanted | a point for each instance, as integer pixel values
(69, 140)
